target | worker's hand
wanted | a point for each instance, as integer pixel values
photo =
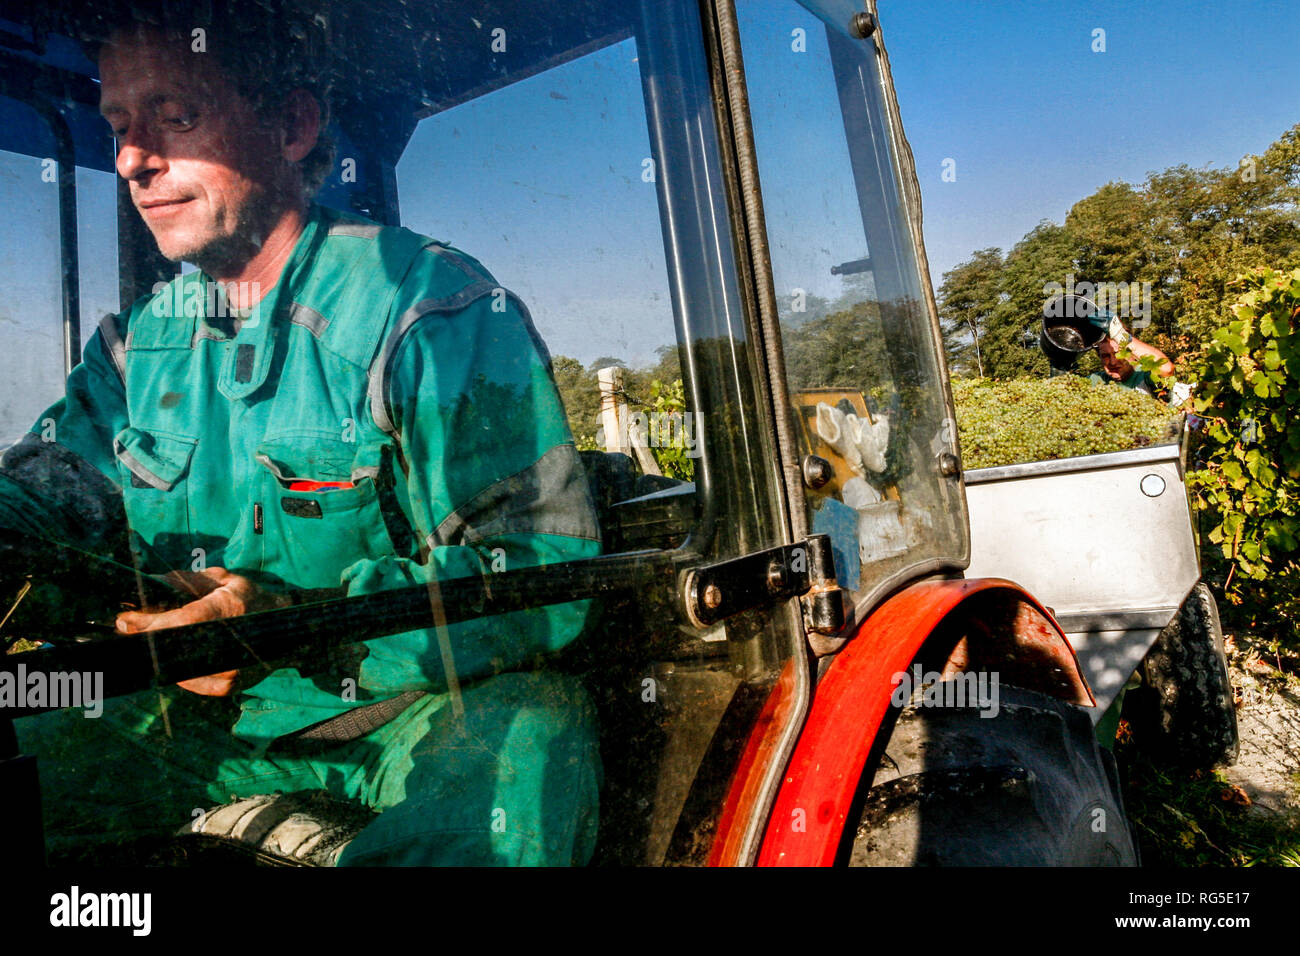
(1109, 323)
(218, 594)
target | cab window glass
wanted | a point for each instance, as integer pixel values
(535, 159)
(860, 355)
(550, 183)
(32, 364)
(31, 329)
(100, 287)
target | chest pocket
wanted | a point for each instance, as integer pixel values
(320, 508)
(154, 468)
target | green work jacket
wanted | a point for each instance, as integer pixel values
(384, 417)
(1137, 380)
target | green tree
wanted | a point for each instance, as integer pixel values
(1043, 256)
(970, 296)
(1108, 235)
(580, 393)
(1217, 224)
(1185, 232)
(843, 350)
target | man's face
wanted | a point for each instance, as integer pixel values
(1115, 367)
(206, 175)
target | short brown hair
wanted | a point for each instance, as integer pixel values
(266, 48)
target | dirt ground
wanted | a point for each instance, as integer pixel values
(1268, 720)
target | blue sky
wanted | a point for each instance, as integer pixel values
(570, 221)
(1035, 120)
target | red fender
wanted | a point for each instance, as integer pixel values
(1026, 648)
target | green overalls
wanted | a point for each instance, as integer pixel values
(1137, 379)
(384, 416)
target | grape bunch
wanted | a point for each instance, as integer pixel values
(1005, 423)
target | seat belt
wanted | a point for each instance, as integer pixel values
(354, 724)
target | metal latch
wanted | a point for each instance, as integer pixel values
(768, 577)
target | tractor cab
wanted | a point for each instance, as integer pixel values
(710, 213)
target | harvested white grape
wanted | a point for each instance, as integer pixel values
(1005, 423)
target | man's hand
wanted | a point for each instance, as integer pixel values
(1112, 326)
(218, 594)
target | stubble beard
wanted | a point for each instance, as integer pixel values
(228, 251)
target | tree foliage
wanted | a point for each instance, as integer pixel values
(656, 389)
(1182, 235)
(1036, 259)
(970, 299)
(1249, 482)
(845, 349)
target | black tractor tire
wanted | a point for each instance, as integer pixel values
(1183, 714)
(1025, 786)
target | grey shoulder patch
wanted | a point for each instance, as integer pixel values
(308, 318)
(460, 262)
(360, 230)
(549, 497)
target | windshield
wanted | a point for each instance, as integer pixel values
(866, 381)
(427, 380)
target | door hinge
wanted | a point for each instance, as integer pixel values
(762, 578)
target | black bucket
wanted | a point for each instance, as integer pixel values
(1066, 332)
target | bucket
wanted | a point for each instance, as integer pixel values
(1066, 333)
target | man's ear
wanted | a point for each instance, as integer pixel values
(302, 125)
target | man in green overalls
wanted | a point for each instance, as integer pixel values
(1113, 349)
(325, 404)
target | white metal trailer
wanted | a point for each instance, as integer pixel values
(1106, 541)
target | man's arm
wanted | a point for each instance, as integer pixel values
(1121, 338)
(493, 483)
(59, 483)
(1141, 349)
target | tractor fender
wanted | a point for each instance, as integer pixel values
(984, 625)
